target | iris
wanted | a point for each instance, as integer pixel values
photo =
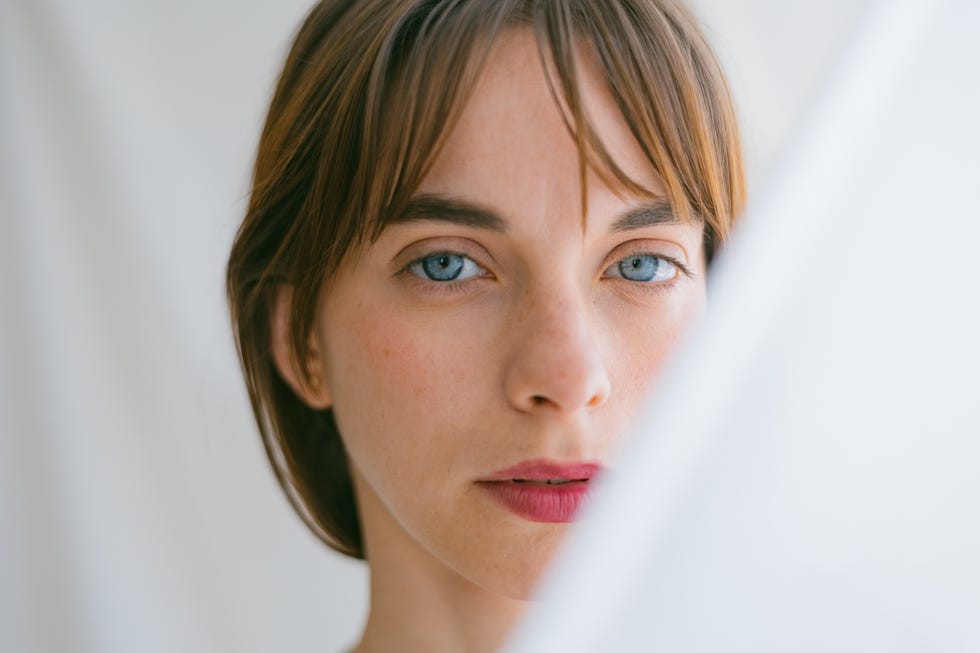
(443, 267)
(645, 267)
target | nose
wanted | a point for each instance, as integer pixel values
(555, 363)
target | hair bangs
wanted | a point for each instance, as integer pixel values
(370, 91)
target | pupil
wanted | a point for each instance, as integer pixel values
(443, 267)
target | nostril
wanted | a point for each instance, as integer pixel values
(596, 401)
(567, 375)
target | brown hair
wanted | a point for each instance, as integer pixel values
(367, 95)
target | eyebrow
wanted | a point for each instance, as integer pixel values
(455, 211)
(444, 209)
(645, 215)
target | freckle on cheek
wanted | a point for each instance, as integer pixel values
(401, 362)
(396, 364)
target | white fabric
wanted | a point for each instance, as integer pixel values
(806, 478)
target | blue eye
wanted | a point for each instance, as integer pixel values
(445, 266)
(645, 268)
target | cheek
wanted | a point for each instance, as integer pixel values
(400, 381)
(645, 345)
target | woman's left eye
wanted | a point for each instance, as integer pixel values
(643, 268)
(445, 266)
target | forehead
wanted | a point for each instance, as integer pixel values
(511, 150)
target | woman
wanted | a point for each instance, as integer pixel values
(477, 228)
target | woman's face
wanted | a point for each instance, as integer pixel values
(491, 327)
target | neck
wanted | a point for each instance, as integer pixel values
(417, 602)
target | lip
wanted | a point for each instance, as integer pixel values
(543, 470)
(515, 488)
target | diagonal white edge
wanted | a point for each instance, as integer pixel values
(661, 460)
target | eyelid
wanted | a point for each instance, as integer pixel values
(420, 249)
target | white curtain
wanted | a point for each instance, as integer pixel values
(138, 511)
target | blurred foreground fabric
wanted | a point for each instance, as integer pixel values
(807, 477)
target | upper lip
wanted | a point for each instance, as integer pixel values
(546, 470)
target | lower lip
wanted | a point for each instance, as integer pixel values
(538, 501)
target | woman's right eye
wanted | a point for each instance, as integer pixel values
(445, 266)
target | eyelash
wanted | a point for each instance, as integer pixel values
(451, 287)
(681, 267)
(441, 287)
(640, 289)
(686, 271)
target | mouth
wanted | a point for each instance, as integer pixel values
(554, 500)
(550, 481)
(546, 472)
(543, 490)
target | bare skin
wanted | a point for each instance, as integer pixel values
(539, 348)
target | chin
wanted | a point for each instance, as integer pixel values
(520, 581)
(517, 589)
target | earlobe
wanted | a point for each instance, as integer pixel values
(312, 389)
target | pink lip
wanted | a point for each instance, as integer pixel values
(513, 487)
(543, 470)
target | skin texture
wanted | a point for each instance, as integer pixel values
(544, 353)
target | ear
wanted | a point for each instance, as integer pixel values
(314, 392)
